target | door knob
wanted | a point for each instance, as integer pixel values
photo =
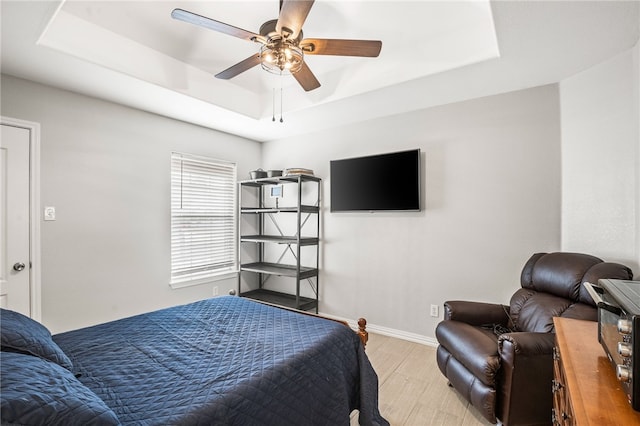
(18, 266)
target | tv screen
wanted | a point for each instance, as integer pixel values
(376, 183)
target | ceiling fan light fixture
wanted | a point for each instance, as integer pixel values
(281, 57)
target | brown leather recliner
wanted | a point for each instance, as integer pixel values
(499, 357)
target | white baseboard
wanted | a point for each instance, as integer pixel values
(404, 335)
(391, 332)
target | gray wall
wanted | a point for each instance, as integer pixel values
(601, 160)
(493, 173)
(491, 179)
(106, 169)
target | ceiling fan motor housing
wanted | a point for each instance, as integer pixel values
(268, 29)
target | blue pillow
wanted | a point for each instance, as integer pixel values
(35, 391)
(19, 333)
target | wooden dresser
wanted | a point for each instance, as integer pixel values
(586, 390)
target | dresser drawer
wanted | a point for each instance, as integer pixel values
(562, 414)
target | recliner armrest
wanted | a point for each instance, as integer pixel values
(476, 313)
(525, 378)
(525, 343)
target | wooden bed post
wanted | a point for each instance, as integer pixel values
(362, 332)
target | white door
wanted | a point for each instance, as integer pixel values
(15, 280)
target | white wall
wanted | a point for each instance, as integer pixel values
(601, 160)
(105, 168)
(491, 180)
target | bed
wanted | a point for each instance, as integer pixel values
(224, 361)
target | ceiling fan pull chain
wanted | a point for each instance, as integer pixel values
(281, 120)
(273, 109)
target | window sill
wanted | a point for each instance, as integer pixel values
(202, 281)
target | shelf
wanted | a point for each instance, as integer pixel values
(282, 299)
(304, 241)
(261, 215)
(279, 269)
(280, 179)
(302, 209)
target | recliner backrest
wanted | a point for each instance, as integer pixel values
(552, 286)
(560, 274)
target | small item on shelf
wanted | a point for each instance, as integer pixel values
(274, 173)
(258, 174)
(298, 171)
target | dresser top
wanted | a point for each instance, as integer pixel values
(596, 395)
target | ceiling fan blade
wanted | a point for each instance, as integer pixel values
(305, 77)
(324, 46)
(292, 16)
(240, 67)
(212, 24)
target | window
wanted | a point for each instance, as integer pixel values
(203, 218)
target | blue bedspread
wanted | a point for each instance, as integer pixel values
(226, 361)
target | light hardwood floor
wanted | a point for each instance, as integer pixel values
(413, 392)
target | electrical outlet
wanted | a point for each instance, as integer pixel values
(434, 310)
(215, 290)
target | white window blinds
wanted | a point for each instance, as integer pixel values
(203, 218)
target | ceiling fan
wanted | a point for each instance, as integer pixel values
(283, 47)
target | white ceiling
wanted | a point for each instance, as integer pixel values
(132, 52)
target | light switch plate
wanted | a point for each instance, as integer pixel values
(49, 213)
(434, 310)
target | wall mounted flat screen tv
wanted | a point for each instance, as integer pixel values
(385, 182)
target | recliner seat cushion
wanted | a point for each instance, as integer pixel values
(474, 347)
(534, 312)
(582, 312)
